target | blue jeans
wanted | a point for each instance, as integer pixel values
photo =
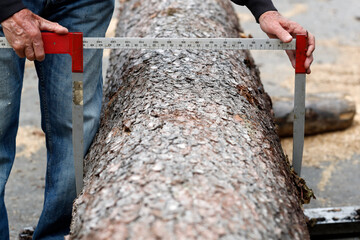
(91, 17)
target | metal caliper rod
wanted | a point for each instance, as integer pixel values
(175, 43)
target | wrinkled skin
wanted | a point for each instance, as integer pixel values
(276, 26)
(23, 32)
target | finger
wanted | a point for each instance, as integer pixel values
(308, 61)
(38, 47)
(29, 53)
(39, 50)
(292, 58)
(295, 28)
(20, 52)
(34, 47)
(311, 45)
(18, 47)
(46, 25)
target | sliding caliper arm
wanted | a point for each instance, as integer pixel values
(72, 44)
(299, 103)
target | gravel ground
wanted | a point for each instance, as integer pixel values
(334, 178)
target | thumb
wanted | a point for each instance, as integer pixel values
(282, 34)
(46, 25)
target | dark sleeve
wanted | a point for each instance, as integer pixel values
(9, 7)
(257, 7)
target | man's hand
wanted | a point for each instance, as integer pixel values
(22, 30)
(276, 26)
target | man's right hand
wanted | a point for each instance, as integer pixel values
(276, 26)
(23, 32)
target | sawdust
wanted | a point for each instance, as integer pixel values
(29, 141)
(298, 8)
(344, 77)
(245, 17)
(326, 176)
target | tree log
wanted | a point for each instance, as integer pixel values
(187, 147)
(324, 112)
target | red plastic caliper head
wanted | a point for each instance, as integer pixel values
(71, 43)
(301, 49)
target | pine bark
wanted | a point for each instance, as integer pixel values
(187, 147)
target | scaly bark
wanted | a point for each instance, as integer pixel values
(187, 147)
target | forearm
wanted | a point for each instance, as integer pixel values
(9, 7)
(257, 7)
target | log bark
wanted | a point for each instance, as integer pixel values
(187, 147)
(324, 112)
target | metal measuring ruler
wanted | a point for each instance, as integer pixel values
(74, 43)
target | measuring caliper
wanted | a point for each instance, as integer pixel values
(74, 43)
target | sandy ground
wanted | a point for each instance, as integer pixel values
(331, 161)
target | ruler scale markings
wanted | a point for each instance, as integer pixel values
(181, 43)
